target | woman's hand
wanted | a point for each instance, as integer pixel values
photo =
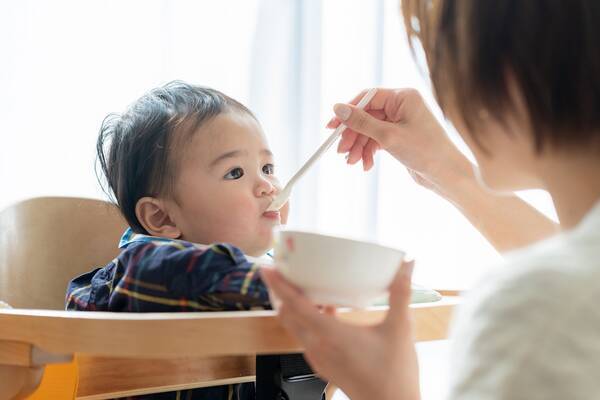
(399, 122)
(374, 362)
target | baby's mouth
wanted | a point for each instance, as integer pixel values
(271, 215)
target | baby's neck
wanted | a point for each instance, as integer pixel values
(260, 257)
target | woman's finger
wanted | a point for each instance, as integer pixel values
(296, 309)
(283, 289)
(400, 293)
(347, 141)
(357, 149)
(362, 122)
(292, 325)
(333, 123)
(368, 154)
(349, 136)
(377, 113)
(329, 310)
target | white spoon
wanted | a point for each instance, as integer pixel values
(284, 195)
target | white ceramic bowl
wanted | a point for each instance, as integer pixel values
(334, 270)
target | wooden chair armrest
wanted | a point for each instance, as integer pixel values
(450, 292)
(169, 351)
(168, 335)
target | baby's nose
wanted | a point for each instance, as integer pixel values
(266, 188)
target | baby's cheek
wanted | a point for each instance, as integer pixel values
(285, 211)
(245, 209)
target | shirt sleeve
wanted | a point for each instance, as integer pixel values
(90, 291)
(171, 277)
(525, 338)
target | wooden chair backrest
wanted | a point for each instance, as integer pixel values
(47, 241)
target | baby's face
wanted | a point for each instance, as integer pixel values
(225, 183)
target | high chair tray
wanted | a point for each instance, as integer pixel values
(169, 350)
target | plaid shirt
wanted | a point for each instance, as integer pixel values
(154, 274)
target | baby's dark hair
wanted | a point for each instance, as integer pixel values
(137, 150)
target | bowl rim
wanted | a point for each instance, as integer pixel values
(343, 238)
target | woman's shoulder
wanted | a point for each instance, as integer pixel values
(531, 320)
(552, 272)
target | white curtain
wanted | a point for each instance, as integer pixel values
(285, 91)
(311, 54)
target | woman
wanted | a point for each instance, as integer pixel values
(520, 80)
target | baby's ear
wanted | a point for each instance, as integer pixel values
(153, 216)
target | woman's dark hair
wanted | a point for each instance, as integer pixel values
(137, 150)
(551, 48)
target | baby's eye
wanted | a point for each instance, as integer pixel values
(235, 173)
(268, 169)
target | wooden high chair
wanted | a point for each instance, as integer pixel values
(45, 242)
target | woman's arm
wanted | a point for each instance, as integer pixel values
(507, 222)
(399, 122)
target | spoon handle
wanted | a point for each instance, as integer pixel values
(317, 154)
(330, 140)
(283, 196)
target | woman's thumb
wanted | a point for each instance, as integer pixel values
(361, 121)
(400, 294)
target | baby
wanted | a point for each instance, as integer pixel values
(192, 173)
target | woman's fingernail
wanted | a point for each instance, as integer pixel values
(407, 268)
(342, 111)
